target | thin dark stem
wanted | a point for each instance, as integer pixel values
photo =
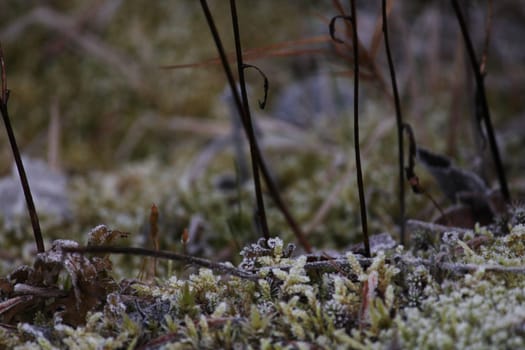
(261, 213)
(272, 187)
(360, 186)
(18, 159)
(399, 122)
(162, 254)
(480, 93)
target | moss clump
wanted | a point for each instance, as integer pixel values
(469, 298)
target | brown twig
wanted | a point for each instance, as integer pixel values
(162, 254)
(379, 28)
(281, 49)
(367, 60)
(488, 30)
(154, 232)
(342, 264)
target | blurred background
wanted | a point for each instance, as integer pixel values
(120, 104)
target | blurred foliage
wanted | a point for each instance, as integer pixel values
(98, 100)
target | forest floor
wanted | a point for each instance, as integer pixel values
(118, 154)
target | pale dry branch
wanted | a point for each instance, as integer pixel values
(277, 133)
(416, 225)
(342, 264)
(324, 209)
(217, 267)
(87, 42)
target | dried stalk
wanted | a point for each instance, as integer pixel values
(399, 122)
(246, 115)
(272, 188)
(18, 159)
(162, 254)
(481, 99)
(360, 185)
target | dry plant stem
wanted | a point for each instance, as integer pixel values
(45, 292)
(482, 98)
(468, 268)
(360, 186)
(260, 212)
(342, 264)
(367, 58)
(276, 50)
(10, 303)
(18, 159)
(399, 121)
(154, 234)
(162, 254)
(488, 30)
(272, 188)
(376, 37)
(416, 225)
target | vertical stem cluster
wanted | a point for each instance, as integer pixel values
(272, 188)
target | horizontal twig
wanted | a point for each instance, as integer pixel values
(415, 225)
(214, 266)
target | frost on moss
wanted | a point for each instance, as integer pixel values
(479, 310)
(473, 314)
(390, 300)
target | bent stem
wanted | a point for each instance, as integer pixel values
(246, 115)
(272, 187)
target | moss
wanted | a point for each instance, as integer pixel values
(404, 297)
